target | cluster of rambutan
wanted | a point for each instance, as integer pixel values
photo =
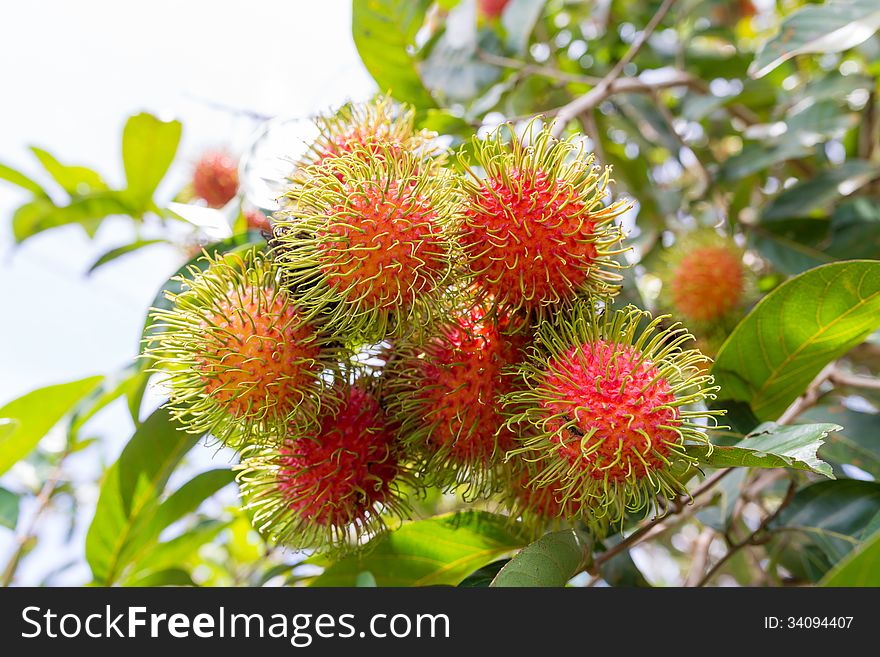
(414, 323)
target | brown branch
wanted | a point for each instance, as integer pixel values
(754, 538)
(841, 378)
(598, 93)
(700, 556)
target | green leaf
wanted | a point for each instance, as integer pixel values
(74, 180)
(791, 245)
(519, 19)
(755, 157)
(483, 577)
(772, 446)
(384, 32)
(823, 523)
(178, 550)
(8, 509)
(18, 178)
(148, 148)
(29, 418)
(87, 211)
(857, 444)
(552, 560)
(835, 26)
(804, 324)
(131, 490)
(622, 571)
(114, 253)
(439, 550)
(817, 193)
(860, 568)
(167, 577)
(125, 382)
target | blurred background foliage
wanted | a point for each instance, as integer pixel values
(757, 119)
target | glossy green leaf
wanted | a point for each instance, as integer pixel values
(75, 180)
(817, 193)
(823, 523)
(119, 251)
(123, 383)
(148, 148)
(87, 211)
(552, 560)
(756, 157)
(20, 180)
(384, 32)
(860, 568)
(30, 417)
(177, 550)
(439, 550)
(9, 504)
(130, 493)
(834, 26)
(772, 446)
(808, 321)
(483, 577)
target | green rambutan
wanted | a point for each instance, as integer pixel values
(604, 411)
(333, 485)
(241, 360)
(444, 389)
(369, 241)
(215, 179)
(535, 229)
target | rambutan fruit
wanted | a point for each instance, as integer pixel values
(535, 231)
(331, 486)
(492, 8)
(444, 389)
(256, 220)
(215, 179)
(241, 360)
(603, 411)
(377, 128)
(369, 248)
(704, 278)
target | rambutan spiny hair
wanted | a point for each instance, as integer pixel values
(241, 360)
(536, 231)
(375, 127)
(444, 388)
(334, 485)
(368, 240)
(215, 178)
(608, 409)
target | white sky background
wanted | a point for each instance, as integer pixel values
(70, 75)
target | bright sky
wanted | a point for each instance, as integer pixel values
(71, 73)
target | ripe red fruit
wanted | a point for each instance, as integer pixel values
(321, 488)
(368, 240)
(242, 361)
(492, 8)
(215, 179)
(445, 391)
(707, 282)
(535, 229)
(603, 410)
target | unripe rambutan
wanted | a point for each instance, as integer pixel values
(372, 247)
(444, 389)
(215, 179)
(604, 409)
(704, 279)
(242, 362)
(330, 486)
(535, 229)
(377, 127)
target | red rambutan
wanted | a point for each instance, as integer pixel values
(535, 229)
(241, 360)
(329, 486)
(604, 409)
(369, 248)
(215, 179)
(444, 390)
(706, 278)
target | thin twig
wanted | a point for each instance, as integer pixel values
(598, 93)
(700, 556)
(841, 378)
(754, 538)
